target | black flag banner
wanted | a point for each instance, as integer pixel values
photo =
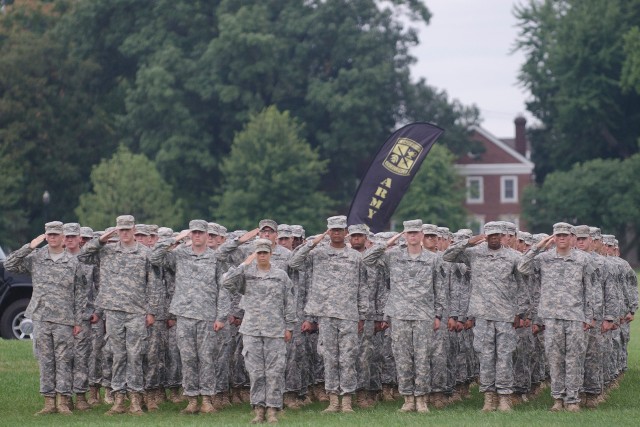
(390, 174)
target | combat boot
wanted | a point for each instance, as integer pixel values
(573, 407)
(49, 406)
(305, 401)
(290, 400)
(207, 407)
(438, 400)
(108, 396)
(409, 404)
(136, 404)
(161, 395)
(236, 397)
(421, 404)
(504, 404)
(591, 401)
(464, 391)
(558, 405)
(387, 393)
(334, 404)
(489, 401)
(94, 396)
(583, 398)
(272, 415)
(149, 398)
(192, 406)
(175, 396)
(245, 394)
(81, 402)
(64, 404)
(259, 415)
(456, 396)
(321, 393)
(118, 405)
(346, 407)
(224, 399)
(362, 399)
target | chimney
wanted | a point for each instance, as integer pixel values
(521, 136)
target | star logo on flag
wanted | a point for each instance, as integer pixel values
(402, 156)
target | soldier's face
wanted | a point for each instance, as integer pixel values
(212, 242)
(268, 233)
(220, 240)
(583, 243)
(494, 241)
(55, 240)
(337, 235)
(430, 242)
(84, 241)
(153, 239)
(414, 238)
(263, 258)
(563, 241)
(126, 236)
(285, 242)
(199, 238)
(140, 238)
(357, 241)
(72, 242)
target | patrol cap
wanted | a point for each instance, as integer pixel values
(86, 232)
(582, 231)
(113, 237)
(71, 229)
(359, 229)
(198, 225)
(525, 237)
(339, 221)
(412, 225)
(510, 228)
(268, 223)
(213, 228)
(563, 228)
(284, 231)
(142, 229)
(466, 233)
(53, 227)
(608, 239)
(429, 229)
(165, 232)
(153, 229)
(297, 231)
(493, 227)
(595, 233)
(222, 229)
(443, 232)
(125, 222)
(263, 245)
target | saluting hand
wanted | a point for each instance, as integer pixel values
(476, 240)
(105, 236)
(250, 259)
(36, 242)
(248, 235)
(392, 241)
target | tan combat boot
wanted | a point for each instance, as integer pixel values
(465, 391)
(409, 404)
(421, 404)
(136, 404)
(192, 406)
(207, 406)
(259, 415)
(290, 400)
(118, 406)
(504, 403)
(81, 402)
(149, 398)
(346, 406)
(321, 393)
(224, 399)
(456, 396)
(572, 407)
(592, 401)
(108, 396)
(558, 405)
(236, 397)
(272, 415)
(161, 395)
(334, 404)
(362, 399)
(438, 400)
(49, 406)
(94, 396)
(175, 396)
(306, 401)
(245, 394)
(64, 404)
(387, 393)
(489, 401)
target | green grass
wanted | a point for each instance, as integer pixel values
(19, 400)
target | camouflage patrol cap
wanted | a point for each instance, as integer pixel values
(429, 229)
(595, 233)
(263, 245)
(268, 223)
(443, 232)
(582, 231)
(563, 228)
(86, 232)
(510, 228)
(142, 229)
(53, 227)
(525, 237)
(493, 227)
(198, 225)
(284, 231)
(222, 229)
(71, 229)
(165, 232)
(467, 233)
(339, 221)
(213, 228)
(297, 231)
(608, 239)
(359, 229)
(412, 225)
(125, 222)
(153, 229)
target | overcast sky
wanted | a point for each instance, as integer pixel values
(465, 50)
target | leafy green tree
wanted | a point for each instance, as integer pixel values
(128, 184)
(574, 60)
(436, 194)
(272, 172)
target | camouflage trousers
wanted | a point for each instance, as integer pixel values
(314, 358)
(81, 356)
(441, 360)
(388, 371)
(465, 357)
(365, 355)
(196, 342)
(95, 355)
(565, 345)
(609, 365)
(153, 362)
(221, 359)
(495, 343)
(412, 341)
(522, 360)
(265, 359)
(173, 364)
(296, 375)
(377, 362)
(107, 361)
(55, 357)
(127, 338)
(617, 348)
(538, 360)
(593, 362)
(238, 373)
(338, 346)
(625, 335)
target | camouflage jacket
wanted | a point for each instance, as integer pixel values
(233, 253)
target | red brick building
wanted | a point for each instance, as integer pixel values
(496, 178)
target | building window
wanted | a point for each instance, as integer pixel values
(508, 189)
(475, 189)
(476, 223)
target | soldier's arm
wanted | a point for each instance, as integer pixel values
(297, 261)
(233, 280)
(375, 256)
(458, 252)
(152, 289)
(290, 317)
(438, 289)
(632, 286)
(610, 302)
(363, 290)
(20, 261)
(224, 298)
(79, 295)
(162, 256)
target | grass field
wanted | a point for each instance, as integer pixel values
(19, 400)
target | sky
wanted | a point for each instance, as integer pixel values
(465, 50)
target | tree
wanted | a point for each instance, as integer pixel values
(128, 184)
(436, 194)
(575, 55)
(272, 172)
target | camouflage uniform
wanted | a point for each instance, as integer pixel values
(269, 309)
(154, 360)
(198, 301)
(173, 365)
(444, 351)
(57, 303)
(565, 302)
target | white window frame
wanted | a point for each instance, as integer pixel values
(480, 198)
(503, 188)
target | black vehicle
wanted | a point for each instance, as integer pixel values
(15, 294)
